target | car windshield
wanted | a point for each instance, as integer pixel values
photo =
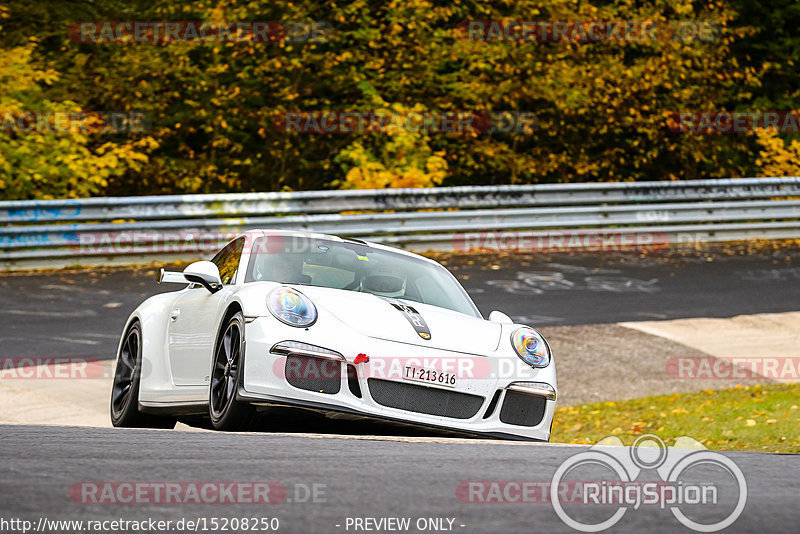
(352, 266)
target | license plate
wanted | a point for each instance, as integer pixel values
(429, 376)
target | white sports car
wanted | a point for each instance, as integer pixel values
(335, 325)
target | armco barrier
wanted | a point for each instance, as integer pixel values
(51, 233)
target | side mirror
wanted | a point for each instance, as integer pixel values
(500, 317)
(205, 273)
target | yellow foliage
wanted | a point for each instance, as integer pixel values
(52, 164)
(404, 160)
(777, 157)
(370, 173)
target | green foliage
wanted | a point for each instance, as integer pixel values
(741, 418)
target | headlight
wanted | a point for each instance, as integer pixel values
(291, 307)
(531, 347)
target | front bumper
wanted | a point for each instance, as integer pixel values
(483, 403)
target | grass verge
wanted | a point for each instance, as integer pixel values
(745, 418)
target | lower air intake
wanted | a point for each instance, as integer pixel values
(352, 380)
(522, 409)
(314, 374)
(421, 399)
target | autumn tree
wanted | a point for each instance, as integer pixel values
(601, 108)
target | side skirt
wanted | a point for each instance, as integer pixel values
(173, 408)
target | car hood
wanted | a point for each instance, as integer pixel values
(378, 318)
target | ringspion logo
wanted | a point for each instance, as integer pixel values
(704, 490)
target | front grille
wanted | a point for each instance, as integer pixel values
(421, 399)
(314, 374)
(522, 409)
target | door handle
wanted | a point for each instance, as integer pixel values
(176, 312)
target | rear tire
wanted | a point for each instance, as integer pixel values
(227, 373)
(125, 388)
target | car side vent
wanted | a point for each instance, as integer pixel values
(352, 381)
(493, 404)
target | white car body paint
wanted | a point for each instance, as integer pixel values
(177, 352)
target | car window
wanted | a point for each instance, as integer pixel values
(429, 291)
(357, 267)
(227, 261)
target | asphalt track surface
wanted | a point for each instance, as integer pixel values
(354, 478)
(82, 313)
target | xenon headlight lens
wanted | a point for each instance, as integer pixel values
(291, 307)
(531, 347)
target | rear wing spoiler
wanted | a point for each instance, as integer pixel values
(167, 277)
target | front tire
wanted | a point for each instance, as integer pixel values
(226, 376)
(125, 388)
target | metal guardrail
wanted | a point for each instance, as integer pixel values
(55, 232)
